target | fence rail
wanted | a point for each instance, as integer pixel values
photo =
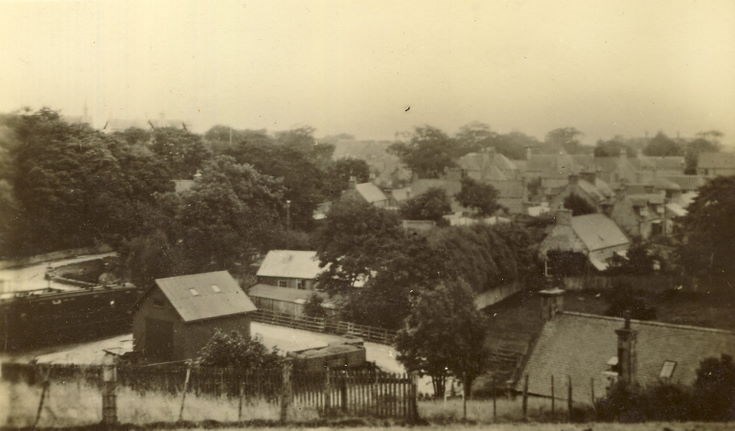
(318, 324)
(330, 393)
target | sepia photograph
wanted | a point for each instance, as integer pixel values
(477, 215)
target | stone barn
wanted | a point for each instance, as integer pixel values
(177, 317)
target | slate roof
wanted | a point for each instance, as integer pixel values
(205, 296)
(716, 161)
(580, 345)
(290, 264)
(370, 192)
(597, 231)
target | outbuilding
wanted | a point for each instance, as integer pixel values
(177, 317)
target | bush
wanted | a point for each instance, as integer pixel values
(661, 402)
(714, 389)
(234, 350)
(313, 306)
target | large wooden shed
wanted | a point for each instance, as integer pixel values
(178, 316)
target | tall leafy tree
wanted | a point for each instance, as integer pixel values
(356, 240)
(483, 198)
(662, 145)
(612, 148)
(183, 152)
(702, 144)
(337, 175)
(433, 204)
(708, 242)
(444, 333)
(428, 152)
(566, 138)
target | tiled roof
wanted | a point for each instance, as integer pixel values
(370, 192)
(597, 231)
(687, 182)
(290, 264)
(580, 345)
(205, 296)
(716, 161)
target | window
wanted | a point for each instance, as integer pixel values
(667, 370)
(216, 289)
(282, 283)
(193, 292)
(301, 284)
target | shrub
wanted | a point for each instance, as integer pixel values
(313, 306)
(661, 402)
(234, 350)
(714, 389)
(624, 298)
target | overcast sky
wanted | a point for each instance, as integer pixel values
(605, 67)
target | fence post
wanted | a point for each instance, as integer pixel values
(413, 415)
(327, 392)
(592, 390)
(570, 402)
(44, 390)
(109, 399)
(553, 398)
(495, 395)
(525, 397)
(286, 391)
(186, 388)
(343, 390)
(239, 401)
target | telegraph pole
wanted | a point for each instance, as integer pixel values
(288, 214)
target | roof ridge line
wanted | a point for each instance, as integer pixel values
(650, 322)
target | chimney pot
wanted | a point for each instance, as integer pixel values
(552, 302)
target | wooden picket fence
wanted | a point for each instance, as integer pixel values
(332, 393)
(331, 326)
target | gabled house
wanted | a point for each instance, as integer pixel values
(286, 300)
(640, 214)
(295, 269)
(367, 192)
(594, 235)
(595, 351)
(493, 168)
(712, 165)
(596, 192)
(177, 317)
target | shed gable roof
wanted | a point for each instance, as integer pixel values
(205, 296)
(290, 264)
(370, 192)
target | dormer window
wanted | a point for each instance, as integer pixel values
(667, 370)
(193, 292)
(216, 289)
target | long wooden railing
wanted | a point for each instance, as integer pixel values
(330, 326)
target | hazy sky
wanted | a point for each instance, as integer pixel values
(605, 67)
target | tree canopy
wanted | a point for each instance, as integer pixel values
(662, 145)
(444, 333)
(428, 152)
(708, 234)
(483, 198)
(578, 205)
(433, 204)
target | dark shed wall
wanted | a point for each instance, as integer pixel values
(189, 338)
(149, 310)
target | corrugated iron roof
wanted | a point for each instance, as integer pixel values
(580, 346)
(290, 264)
(205, 296)
(597, 231)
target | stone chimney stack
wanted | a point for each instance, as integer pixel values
(552, 302)
(529, 152)
(563, 217)
(352, 184)
(627, 356)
